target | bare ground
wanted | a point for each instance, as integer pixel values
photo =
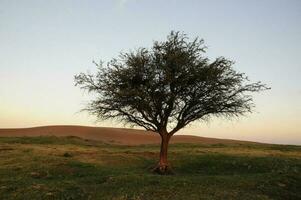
(121, 136)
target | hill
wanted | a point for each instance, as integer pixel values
(121, 136)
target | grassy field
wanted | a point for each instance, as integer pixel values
(73, 168)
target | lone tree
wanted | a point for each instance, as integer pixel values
(166, 87)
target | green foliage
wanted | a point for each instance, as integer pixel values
(168, 86)
(35, 168)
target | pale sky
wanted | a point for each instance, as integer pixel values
(43, 44)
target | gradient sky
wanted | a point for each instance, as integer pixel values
(43, 44)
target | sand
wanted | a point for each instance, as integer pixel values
(120, 136)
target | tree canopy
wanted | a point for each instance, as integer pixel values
(168, 86)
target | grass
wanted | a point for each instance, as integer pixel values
(73, 168)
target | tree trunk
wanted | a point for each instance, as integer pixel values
(163, 166)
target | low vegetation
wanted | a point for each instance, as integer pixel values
(73, 168)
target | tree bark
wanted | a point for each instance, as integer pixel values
(163, 166)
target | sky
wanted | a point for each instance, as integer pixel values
(43, 44)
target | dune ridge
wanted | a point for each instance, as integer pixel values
(122, 136)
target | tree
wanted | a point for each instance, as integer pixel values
(167, 87)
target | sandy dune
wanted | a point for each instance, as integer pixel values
(108, 135)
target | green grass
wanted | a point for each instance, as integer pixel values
(73, 168)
